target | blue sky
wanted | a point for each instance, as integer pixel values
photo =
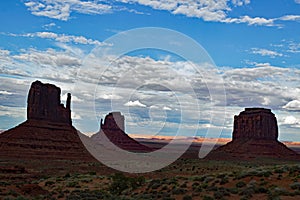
(255, 46)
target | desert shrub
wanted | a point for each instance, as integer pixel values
(198, 178)
(92, 173)
(187, 197)
(184, 185)
(209, 179)
(21, 198)
(280, 191)
(87, 194)
(233, 190)
(177, 191)
(224, 180)
(295, 186)
(48, 183)
(206, 197)
(120, 183)
(2, 183)
(261, 190)
(247, 192)
(278, 170)
(240, 184)
(164, 187)
(218, 195)
(72, 184)
(267, 173)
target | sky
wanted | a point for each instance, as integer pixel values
(248, 57)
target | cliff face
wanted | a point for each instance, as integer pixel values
(48, 132)
(44, 103)
(255, 123)
(255, 135)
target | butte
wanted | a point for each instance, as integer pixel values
(255, 135)
(113, 128)
(48, 132)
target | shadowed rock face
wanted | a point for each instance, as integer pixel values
(113, 121)
(44, 103)
(255, 135)
(48, 132)
(255, 123)
(113, 128)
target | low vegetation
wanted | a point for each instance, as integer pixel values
(203, 180)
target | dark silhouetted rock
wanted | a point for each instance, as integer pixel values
(113, 128)
(255, 123)
(255, 134)
(48, 132)
(43, 103)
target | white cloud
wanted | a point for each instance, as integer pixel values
(62, 10)
(4, 92)
(167, 108)
(4, 52)
(266, 52)
(136, 103)
(49, 26)
(293, 47)
(73, 98)
(62, 38)
(50, 58)
(260, 21)
(109, 96)
(297, 1)
(208, 10)
(293, 105)
(290, 120)
(290, 18)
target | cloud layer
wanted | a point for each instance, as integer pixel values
(216, 11)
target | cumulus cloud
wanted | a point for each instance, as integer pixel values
(260, 21)
(61, 38)
(216, 11)
(266, 52)
(293, 105)
(62, 10)
(50, 58)
(167, 108)
(4, 92)
(136, 103)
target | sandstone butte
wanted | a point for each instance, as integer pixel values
(114, 129)
(255, 135)
(48, 132)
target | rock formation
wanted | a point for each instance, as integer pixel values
(113, 128)
(43, 103)
(255, 123)
(48, 132)
(255, 134)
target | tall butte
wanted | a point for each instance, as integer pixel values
(255, 135)
(48, 132)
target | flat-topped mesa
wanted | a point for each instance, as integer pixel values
(255, 123)
(44, 103)
(113, 121)
(254, 136)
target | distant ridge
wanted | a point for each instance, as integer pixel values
(48, 132)
(255, 135)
